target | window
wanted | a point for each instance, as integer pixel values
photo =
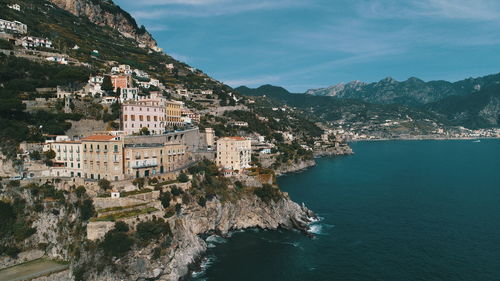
(155, 118)
(125, 117)
(140, 118)
(148, 118)
(132, 117)
(115, 148)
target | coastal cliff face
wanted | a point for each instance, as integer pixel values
(187, 247)
(333, 151)
(105, 13)
(295, 167)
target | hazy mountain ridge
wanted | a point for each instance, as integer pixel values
(412, 91)
(477, 109)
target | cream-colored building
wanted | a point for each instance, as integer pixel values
(173, 113)
(118, 157)
(234, 153)
(103, 157)
(68, 160)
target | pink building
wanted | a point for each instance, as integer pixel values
(143, 114)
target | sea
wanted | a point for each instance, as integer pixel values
(393, 211)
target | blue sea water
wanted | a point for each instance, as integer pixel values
(394, 211)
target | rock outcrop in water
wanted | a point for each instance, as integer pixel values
(187, 246)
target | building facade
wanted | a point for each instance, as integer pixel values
(103, 157)
(68, 160)
(13, 27)
(143, 114)
(234, 153)
(120, 81)
(173, 113)
(129, 94)
(151, 155)
(36, 42)
(119, 157)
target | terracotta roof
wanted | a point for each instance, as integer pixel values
(99, 138)
(234, 138)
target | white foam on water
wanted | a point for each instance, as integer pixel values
(215, 239)
(205, 264)
(316, 229)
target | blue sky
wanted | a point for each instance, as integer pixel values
(303, 44)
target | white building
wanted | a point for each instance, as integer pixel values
(59, 60)
(234, 153)
(35, 42)
(68, 160)
(240, 123)
(207, 92)
(13, 27)
(129, 94)
(96, 79)
(16, 7)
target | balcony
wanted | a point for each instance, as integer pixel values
(144, 164)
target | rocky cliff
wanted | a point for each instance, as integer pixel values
(106, 13)
(333, 151)
(187, 246)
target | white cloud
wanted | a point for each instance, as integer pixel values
(476, 10)
(156, 9)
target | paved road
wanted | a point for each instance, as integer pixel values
(31, 270)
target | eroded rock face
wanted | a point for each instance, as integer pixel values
(107, 14)
(187, 246)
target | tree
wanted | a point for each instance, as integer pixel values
(80, 191)
(144, 131)
(139, 182)
(116, 242)
(165, 198)
(268, 193)
(48, 156)
(104, 184)
(121, 226)
(107, 86)
(202, 201)
(183, 177)
(87, 209)
(35, 155)
(238, 184)
(149, 230)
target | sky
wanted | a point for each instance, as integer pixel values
(304, 44)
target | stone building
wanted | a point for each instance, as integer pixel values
(234, 153)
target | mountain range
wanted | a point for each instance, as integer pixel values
(472, 103)
(413, 91)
